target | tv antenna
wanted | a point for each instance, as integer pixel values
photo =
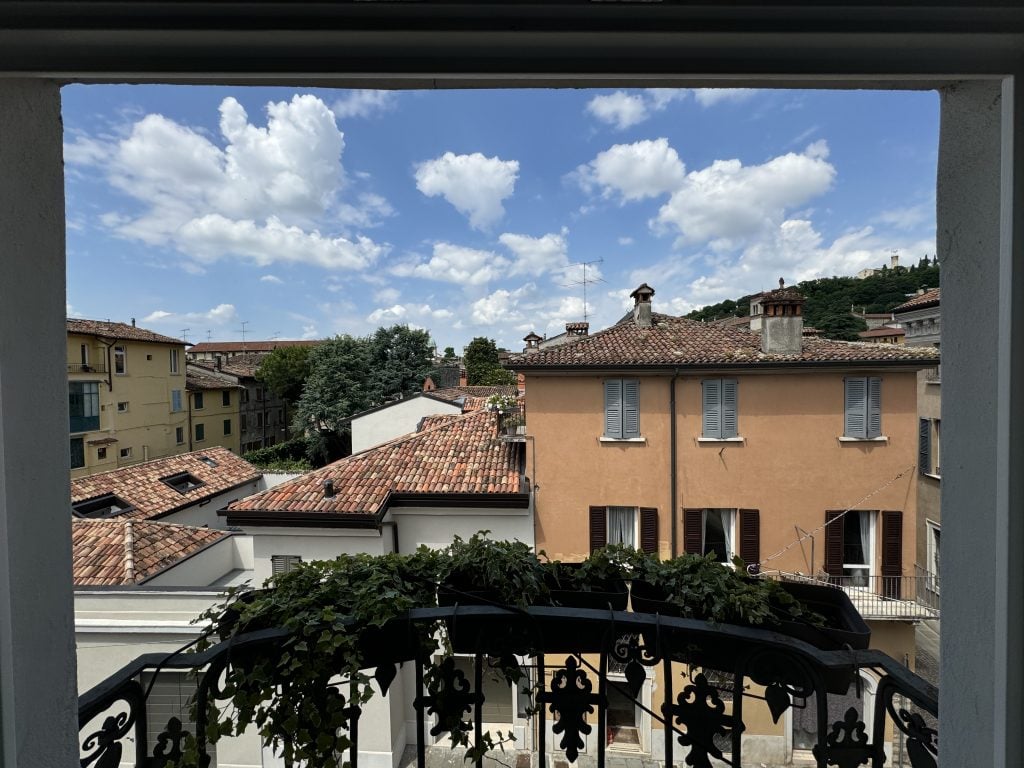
(209, 335)
(244, 323)
(184, 334)
(584, 280)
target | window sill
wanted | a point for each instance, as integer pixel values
(932, 475)
(622, 439)
(721, 439)
(844, 439)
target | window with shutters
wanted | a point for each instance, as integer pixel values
(862, 408)
(850, 546)
(284, 563)
(622, 409)
(635, 527)
(928, 447)
(719, 409)
(725, 533)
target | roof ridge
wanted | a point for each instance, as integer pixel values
(456, 417)
(129, 551)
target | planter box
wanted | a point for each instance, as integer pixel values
(602, 595)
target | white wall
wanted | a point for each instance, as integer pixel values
(311, 544)
(205, 513)
(271, 479)
(438, 526)
(208, 566)
(394, 421)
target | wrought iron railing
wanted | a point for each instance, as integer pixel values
(512, 423)
(710, 676)
(87, 368)
(883, 597)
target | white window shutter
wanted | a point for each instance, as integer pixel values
(630, 408)
(729, 420)
(613, 408)
(712, 407)
(855, 407)
(874, 407)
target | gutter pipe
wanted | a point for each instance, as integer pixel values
(672, 456)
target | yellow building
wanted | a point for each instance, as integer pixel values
(213, 405)
(126, 395)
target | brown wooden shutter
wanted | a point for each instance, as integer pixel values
(750, 536)
(834, 543)
(892, 553)
(649, 530)
(598, 527)
(693, 531)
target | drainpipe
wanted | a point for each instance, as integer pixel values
(188, 400)
(672, 456)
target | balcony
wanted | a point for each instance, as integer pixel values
(87, 368)
(907, 598)
(719, 684)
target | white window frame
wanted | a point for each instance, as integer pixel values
(120, 409)
(729, 525)
(174, 360)
(125, 453)
(934, 546)
(870, 566)
(121, 356)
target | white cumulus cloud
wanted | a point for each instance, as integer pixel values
(623, 110)
(219, 315)
(709, 97)
(536, 255)
(634, 171)
(364, 103)
(455, 264)
(402, 313)
(265, 195)
(475, 185)
(271, 279)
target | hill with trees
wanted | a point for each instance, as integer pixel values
(829, 299)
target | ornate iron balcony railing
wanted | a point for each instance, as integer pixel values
(710, 675)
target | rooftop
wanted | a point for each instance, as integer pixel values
(453, 394)
(676, 341)
(882, 332)
(199, 380)
(239, 365)
(111, 552)
(456, 456)
(250, 346)
(920, 301)
(119, 331)
(142, 486)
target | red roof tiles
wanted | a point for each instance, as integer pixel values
(110, 330)
(199, 380)
(250, 346)
(451, 394)
(111, 552)
(140, 485)
(239, 365)
(926, 299)
(460, 455)
(677, 341)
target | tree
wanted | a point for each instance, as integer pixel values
(449, 353)
(285, 371)
(842, 326)
(338, 386)
(400, 359)
(481, 360)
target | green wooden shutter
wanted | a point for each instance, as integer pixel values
(874, 407)
(855, 407)
(834, 543)
(613, 408)
(712, 406)
(598, 527)
(630, 408)
(924, 446)
(750, 536)
(649, 530)
(892, 553)
(693, 531)
(728, 410)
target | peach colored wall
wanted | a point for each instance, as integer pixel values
(791, 465)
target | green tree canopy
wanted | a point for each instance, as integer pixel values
(449, 353)
(481, 360)
(285, 371)
(401, 358)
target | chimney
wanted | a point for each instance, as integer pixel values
(642, 305)
(894, 260)
(328, 489)
(218, 362)
(133, 322)
(533, 340)
(577, 329)
(782, 321)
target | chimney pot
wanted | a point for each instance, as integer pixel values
(782, 283)
(328, 489)
(642, 310)
(133, 322)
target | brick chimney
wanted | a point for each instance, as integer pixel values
(642, 305)
(782, 321)
(577, 329)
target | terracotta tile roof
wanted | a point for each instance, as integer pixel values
(437, 420)
(239, 365)
(119, 331)
(197, 380)
(782, 294)
(677, 341)
(110, 552)
(461, 455)
(885, 330)
(141, 487)
(250, 346)
(926, 299)
(451, 394)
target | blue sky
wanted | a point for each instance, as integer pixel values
(306, 213)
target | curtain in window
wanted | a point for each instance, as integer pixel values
(621, 526)
(865, 535)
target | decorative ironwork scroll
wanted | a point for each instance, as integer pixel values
(170, 742)
(700, 710)
(784, 677)
(847, 745)
(450, 699)
(103, 748)
(629, 651)
(572, 698)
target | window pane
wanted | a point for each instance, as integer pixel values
(716, 534)
(77, 453)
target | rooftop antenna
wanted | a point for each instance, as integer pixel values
(244, 323)
(209, 335)
(184, 336)
(585, 281)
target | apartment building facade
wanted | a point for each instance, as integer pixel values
(126, 395)
(213, 411)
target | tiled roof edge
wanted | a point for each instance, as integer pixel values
(224, 537)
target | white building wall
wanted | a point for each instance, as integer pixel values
(205, 514)
(208, 566)
(396, 420)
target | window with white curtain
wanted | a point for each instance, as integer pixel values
(858, 546)
(622, 526)
(719, 534)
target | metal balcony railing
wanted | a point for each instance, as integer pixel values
(884, 597)
(711, 677)
(512, 424)
(87, 368)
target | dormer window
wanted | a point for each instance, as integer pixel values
(208, 461)
(107, 505)
(182, 482)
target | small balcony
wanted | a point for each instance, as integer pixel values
(899, 598)
(512, 423)
(87, 368)
(717, 686)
